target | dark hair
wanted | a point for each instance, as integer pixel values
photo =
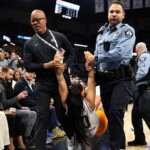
(14, 76)
(6, 69)
(117, 2)
(75, 113)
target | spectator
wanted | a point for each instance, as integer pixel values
(25, 83)
(16, 77)
(3, 61)
(14, 123)
(27, 117)
(4, 131)
(53, 122)
(15, 61)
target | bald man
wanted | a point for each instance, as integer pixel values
(141, 106)
(39, 53)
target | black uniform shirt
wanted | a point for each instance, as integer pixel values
(36, 53)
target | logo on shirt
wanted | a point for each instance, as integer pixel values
(142, 59)
(36, 44)
(128, 33)
(52, 40)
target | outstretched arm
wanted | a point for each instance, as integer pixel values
(91, 89)
(62, 86)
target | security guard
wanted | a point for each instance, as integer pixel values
(141, 107)
(114, 48)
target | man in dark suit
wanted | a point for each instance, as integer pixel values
(25, 83)
(27, 116)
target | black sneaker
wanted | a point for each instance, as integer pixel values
(137, 143)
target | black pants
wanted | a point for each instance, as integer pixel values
(115, 98)
(141, 111)
(43, 102)
(15, 126)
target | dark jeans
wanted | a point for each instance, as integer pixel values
(101, 142)
(53, 121)
(115, 98)
(141, 111)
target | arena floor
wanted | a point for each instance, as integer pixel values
(130, 134)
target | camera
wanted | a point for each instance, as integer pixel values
(106, 46)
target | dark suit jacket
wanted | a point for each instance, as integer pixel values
(5, 103)
(22, 85)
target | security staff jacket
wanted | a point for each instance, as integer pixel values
(121, 39)
(143, 68)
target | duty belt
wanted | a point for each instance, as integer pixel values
(113, 75)
(121, 72)
(144, 88)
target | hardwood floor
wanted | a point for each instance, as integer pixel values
(130, 134)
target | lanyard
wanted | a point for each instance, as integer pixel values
(49, 44)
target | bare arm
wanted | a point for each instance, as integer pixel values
(91, 89)
(62, 86)
(63, 90)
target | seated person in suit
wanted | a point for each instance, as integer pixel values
(14, 123)
(27, 117)
(25, 83)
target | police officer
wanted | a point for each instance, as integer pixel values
(114, 48)
(142, 100)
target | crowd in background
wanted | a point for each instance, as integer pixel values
(17, 89)
(18, 106)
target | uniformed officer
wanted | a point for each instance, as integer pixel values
(114, 48)
(141, 107)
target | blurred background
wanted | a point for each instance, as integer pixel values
(79, 20)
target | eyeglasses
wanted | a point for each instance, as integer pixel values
(36, 20)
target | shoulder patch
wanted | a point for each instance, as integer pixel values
(143, 59)
(128, 33)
